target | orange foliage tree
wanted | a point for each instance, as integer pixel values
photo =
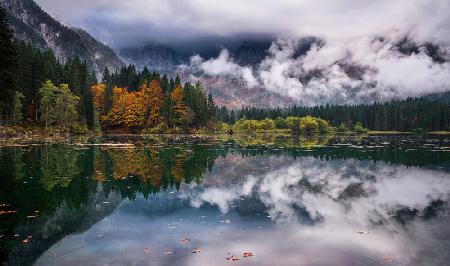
(98, 98)
(118, 108)
(98, 95)
(153, 100)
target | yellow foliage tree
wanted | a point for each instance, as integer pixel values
(153, 100)
(177, 170)
(98, 98)
(135, 110)
(179, 108)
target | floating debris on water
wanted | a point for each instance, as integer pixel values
(248, 254)
(388, 258)
(195, 251)
(185, 240)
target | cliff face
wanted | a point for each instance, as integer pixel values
(30, 23)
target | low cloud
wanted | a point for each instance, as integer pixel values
(355, 71)
(222, 66)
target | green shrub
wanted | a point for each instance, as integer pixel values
(342, 128)
(418, 132)
(222, 127)
(159, 129)
(324, 126)
(309, 125)
(281, 123)
(75, 128)
(10, 131)
(266, 124)
(359, 129)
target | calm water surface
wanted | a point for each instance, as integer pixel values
(367, 201)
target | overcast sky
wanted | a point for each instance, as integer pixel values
(118, 22)
(363, 33)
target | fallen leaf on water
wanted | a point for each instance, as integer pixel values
(248, 254)
(146, 250)
(185, 240)
(195, 250)
(7, 212)
(388, 259)
(232, 258)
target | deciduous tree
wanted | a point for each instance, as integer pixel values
(179, 108)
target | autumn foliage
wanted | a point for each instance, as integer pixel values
(154, 104)
(179, 108)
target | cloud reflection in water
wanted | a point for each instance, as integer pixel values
(303, 211)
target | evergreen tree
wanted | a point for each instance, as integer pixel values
(106, 79)
(211, 106)
(8, 62)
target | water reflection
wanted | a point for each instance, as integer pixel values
(120, 205)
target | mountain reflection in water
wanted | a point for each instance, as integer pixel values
(148, 205)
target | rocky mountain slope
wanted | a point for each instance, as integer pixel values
(30, 23)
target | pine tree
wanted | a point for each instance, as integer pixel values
(106, 79)
(8, 63)
(211, 106)
(17, 107)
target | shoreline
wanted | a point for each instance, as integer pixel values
(249, 138)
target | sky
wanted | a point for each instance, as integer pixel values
(363, 33)
(115, 21)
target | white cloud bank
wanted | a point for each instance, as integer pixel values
(354, 71)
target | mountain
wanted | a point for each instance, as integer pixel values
(155, 56)
(230, 92)
(31, 24)
(251, 52)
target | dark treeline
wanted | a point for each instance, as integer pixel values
(35, 66)
(402, 115)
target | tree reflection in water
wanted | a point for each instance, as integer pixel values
(381, 186)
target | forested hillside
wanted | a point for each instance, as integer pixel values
(38, 90)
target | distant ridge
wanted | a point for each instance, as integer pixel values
(31, 24)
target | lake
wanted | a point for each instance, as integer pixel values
(245, 201)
